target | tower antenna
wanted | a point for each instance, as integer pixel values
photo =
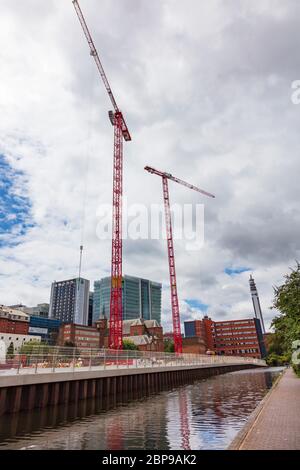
(80, 260)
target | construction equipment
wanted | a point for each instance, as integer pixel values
(120, 132)
(173, 285)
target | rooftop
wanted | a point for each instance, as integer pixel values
(136, 322)
(7, 311)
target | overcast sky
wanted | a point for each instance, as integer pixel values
(206, 91)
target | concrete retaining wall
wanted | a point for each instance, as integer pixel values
(26, 392)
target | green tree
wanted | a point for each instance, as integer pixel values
(277, 359)
(169, 346)
(275, 344)
(10, 351)
(33, 347)
(287, 324)
(129, 345)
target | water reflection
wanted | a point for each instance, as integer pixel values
(184, 419)
(204, 415)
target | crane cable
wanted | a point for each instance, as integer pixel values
(87, 158)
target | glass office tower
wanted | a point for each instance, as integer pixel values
(141, 298)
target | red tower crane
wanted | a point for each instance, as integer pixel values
(173, 285)
(120, 131)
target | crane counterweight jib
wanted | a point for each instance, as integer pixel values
(125, 131)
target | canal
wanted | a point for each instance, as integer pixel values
(204, 415)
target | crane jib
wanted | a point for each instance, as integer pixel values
(94, 54)
(177, 180)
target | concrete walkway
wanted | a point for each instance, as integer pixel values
(275, 424)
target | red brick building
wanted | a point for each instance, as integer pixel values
(238, 337)
(198, 337)
(102, 327)
(147, 335)
(13, 321)
(194, 345)
(80, 336)
(232, 337)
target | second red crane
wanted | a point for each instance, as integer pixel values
(171, 256)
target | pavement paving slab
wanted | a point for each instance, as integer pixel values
(277, 425)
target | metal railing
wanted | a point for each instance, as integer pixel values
(56, 359)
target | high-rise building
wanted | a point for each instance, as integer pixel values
(256, 303)
(91, 301)
(69, 301)
(141, 298)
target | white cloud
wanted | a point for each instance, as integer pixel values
(206, 95)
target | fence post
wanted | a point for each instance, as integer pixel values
(90, 365)
(104, 359)
(53, 362)
(19, 364)
(74, 350)
(36, 364)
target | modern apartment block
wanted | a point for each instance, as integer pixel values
(233, 337)
(69, 301)
(141, 298)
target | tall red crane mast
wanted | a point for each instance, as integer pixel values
(172, 271)
(120, 132)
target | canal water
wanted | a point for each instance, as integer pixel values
(204, 415)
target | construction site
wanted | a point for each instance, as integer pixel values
(144, 148)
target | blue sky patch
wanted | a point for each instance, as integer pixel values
(195, 303)
(235, 271)
(15, 217)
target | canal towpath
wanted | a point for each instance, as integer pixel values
(275, 424)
